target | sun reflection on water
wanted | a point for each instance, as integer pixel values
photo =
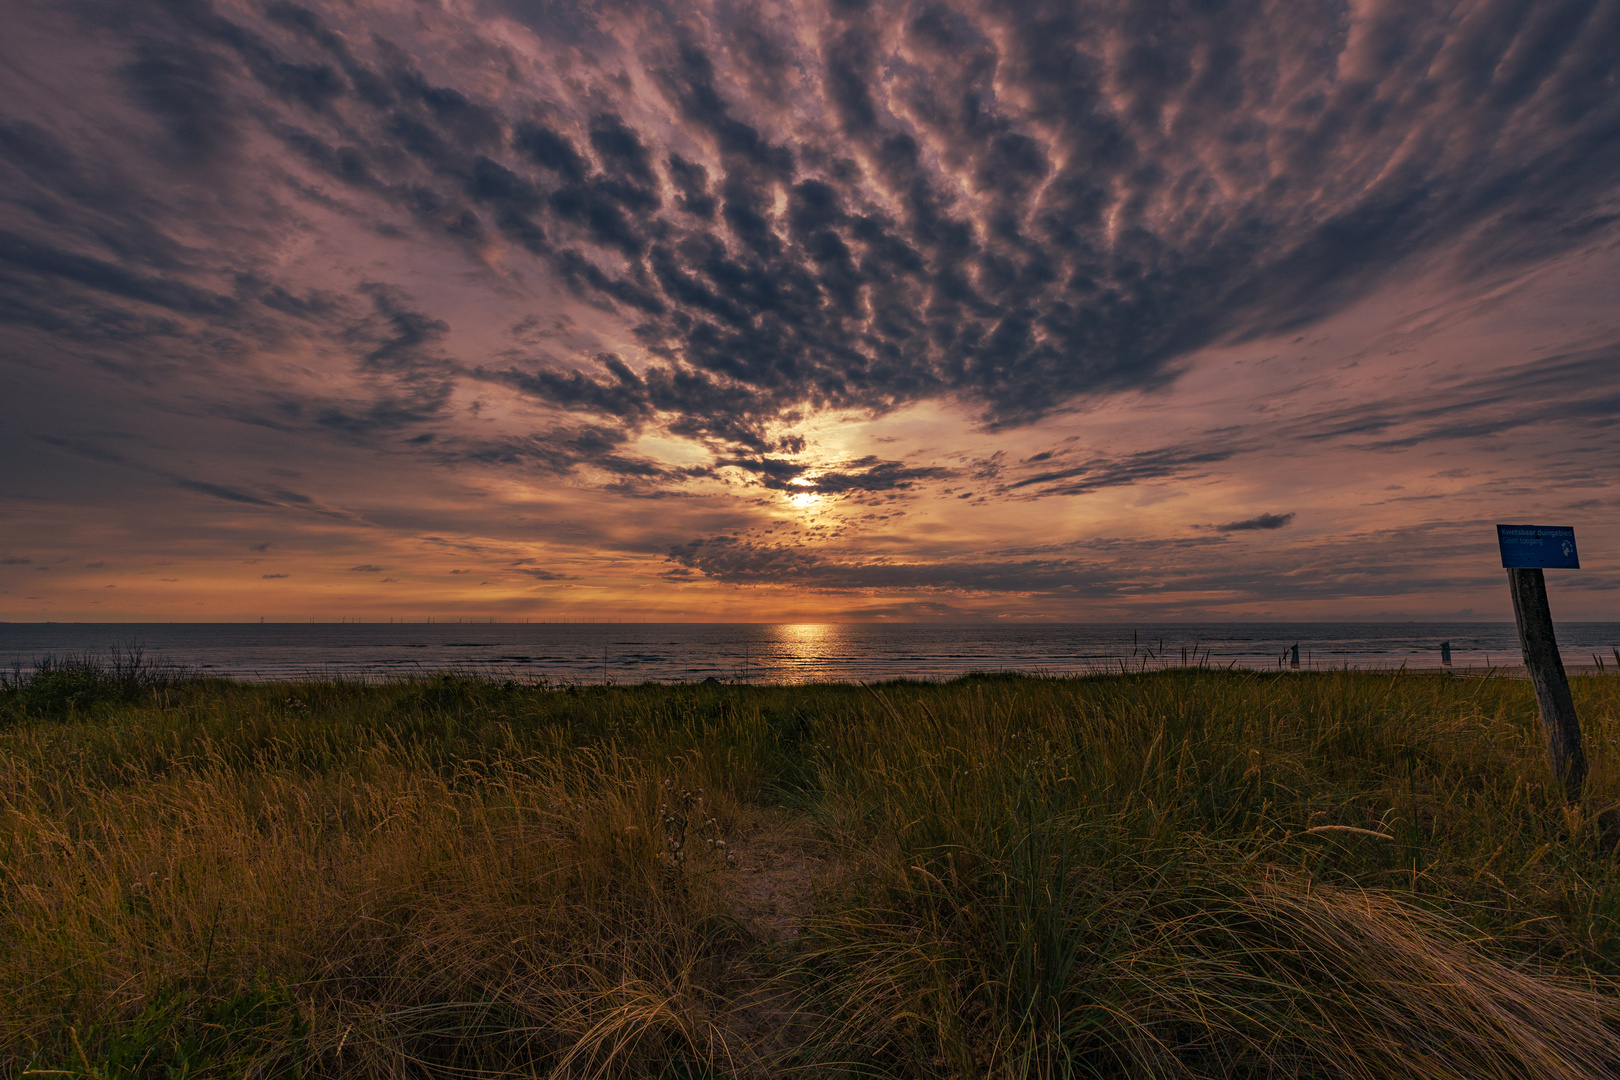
(802, 643)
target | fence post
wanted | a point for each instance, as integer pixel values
(1558, 721)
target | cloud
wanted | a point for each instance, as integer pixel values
(269, 577)
(1019, 207)
(1096, 473)
(1262, 522)
(866, 474)
(221, 491)
(365, 568)
(542, 575)
(398, 338)
(740, 562)
(1573, 390)
(874, 476)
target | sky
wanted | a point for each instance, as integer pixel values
(805, 311)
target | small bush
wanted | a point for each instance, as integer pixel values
(63, 686)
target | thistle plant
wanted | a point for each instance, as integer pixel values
(681, 813)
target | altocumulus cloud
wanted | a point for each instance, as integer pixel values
(776, 211)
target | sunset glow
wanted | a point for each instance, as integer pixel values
(803, 312)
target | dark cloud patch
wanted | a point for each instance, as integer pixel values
(1095, 473)
(413, 406)
(31, 148)
(182, 86)
(692, 181)
(687, 75)
(408, 378)
(563, 451)
(292, 497)
(493, 182)
(696, 404)
(595, 209)
(870, 474)
(32, 264)
(473, 125)
(221, 491)
(314, 304)
(1259, 523)
(349, 164)
(619, 148)
(622, 394)
(736, 561)
(366, 83)
(550, 150)
(400, 337)
(774, 472)
(365, 568)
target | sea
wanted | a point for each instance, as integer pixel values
(629, 653)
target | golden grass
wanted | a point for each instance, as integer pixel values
(1174, 874)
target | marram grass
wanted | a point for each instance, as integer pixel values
(1179, 874)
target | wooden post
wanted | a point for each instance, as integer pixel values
(1558, 720)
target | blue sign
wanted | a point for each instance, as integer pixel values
(1551, 546)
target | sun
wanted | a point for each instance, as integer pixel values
(801, 500)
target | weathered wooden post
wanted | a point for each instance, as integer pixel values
(1526, 549)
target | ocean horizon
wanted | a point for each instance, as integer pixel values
(626, 653)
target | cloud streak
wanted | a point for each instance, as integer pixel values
(1260, 522)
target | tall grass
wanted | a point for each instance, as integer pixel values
(1184, 873)
(1205, 875)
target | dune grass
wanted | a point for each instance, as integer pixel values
(1181, 873)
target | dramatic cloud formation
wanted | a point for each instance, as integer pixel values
(754, 309)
